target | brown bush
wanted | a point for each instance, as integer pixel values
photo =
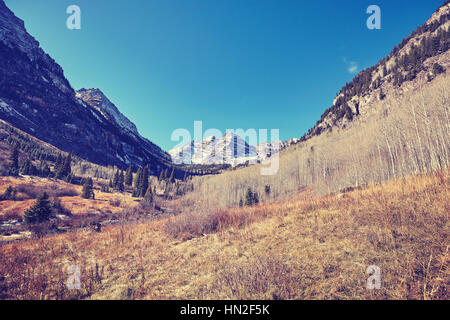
(263, 278)
(115, 202)
(31, 191)
(193, 224)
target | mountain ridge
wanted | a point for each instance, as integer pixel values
(36, 97)
(403, 64)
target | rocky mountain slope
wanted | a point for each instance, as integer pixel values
(97, 100)
(36, 97)
(419, 58)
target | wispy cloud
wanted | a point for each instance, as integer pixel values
(352, 66)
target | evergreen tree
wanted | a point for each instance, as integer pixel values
(116, 180)
(9, 194)
(88, 189)
(267, 189)
(28, 168)
(248, 197)
(138, 178)
(129, 176)
(119, 181)
(58, 164)
(63, 166)
(382, 95)
(255, 198)
(137, 184)
(121, 187)
(67, 166)
(438, 69)
(144, 183)
(171, 178)
(13, 168)
(141, 183)
(40, 211)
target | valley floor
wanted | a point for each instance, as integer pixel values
(306, 248)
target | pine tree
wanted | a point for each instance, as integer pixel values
(116, 180)
(9, 194)
(438, 69)
(171, 178)
(255, 198)
(58, 164)
(67, 166)
(121, 187)
(144, 183)
(88, 189)
(13, 168)
(129, 176)
(137, 183)
(248, 197)
(382, 95)
(267, 189)
(63, 166)
(40, 211)
(28, 168)
(141, 183)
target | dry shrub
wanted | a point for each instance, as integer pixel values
(10, 216)
(192, 224)
(263, 278)
(30, 191)
(115, 202)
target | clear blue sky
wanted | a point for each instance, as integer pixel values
(230, 63)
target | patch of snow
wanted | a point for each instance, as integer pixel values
(70, 125)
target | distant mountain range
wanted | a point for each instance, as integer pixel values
(229, 149)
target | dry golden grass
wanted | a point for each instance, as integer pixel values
(305, 248)
(103, 203)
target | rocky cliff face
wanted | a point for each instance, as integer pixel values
(97, 100)
(36, 97)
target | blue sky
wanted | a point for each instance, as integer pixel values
(260, 64)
